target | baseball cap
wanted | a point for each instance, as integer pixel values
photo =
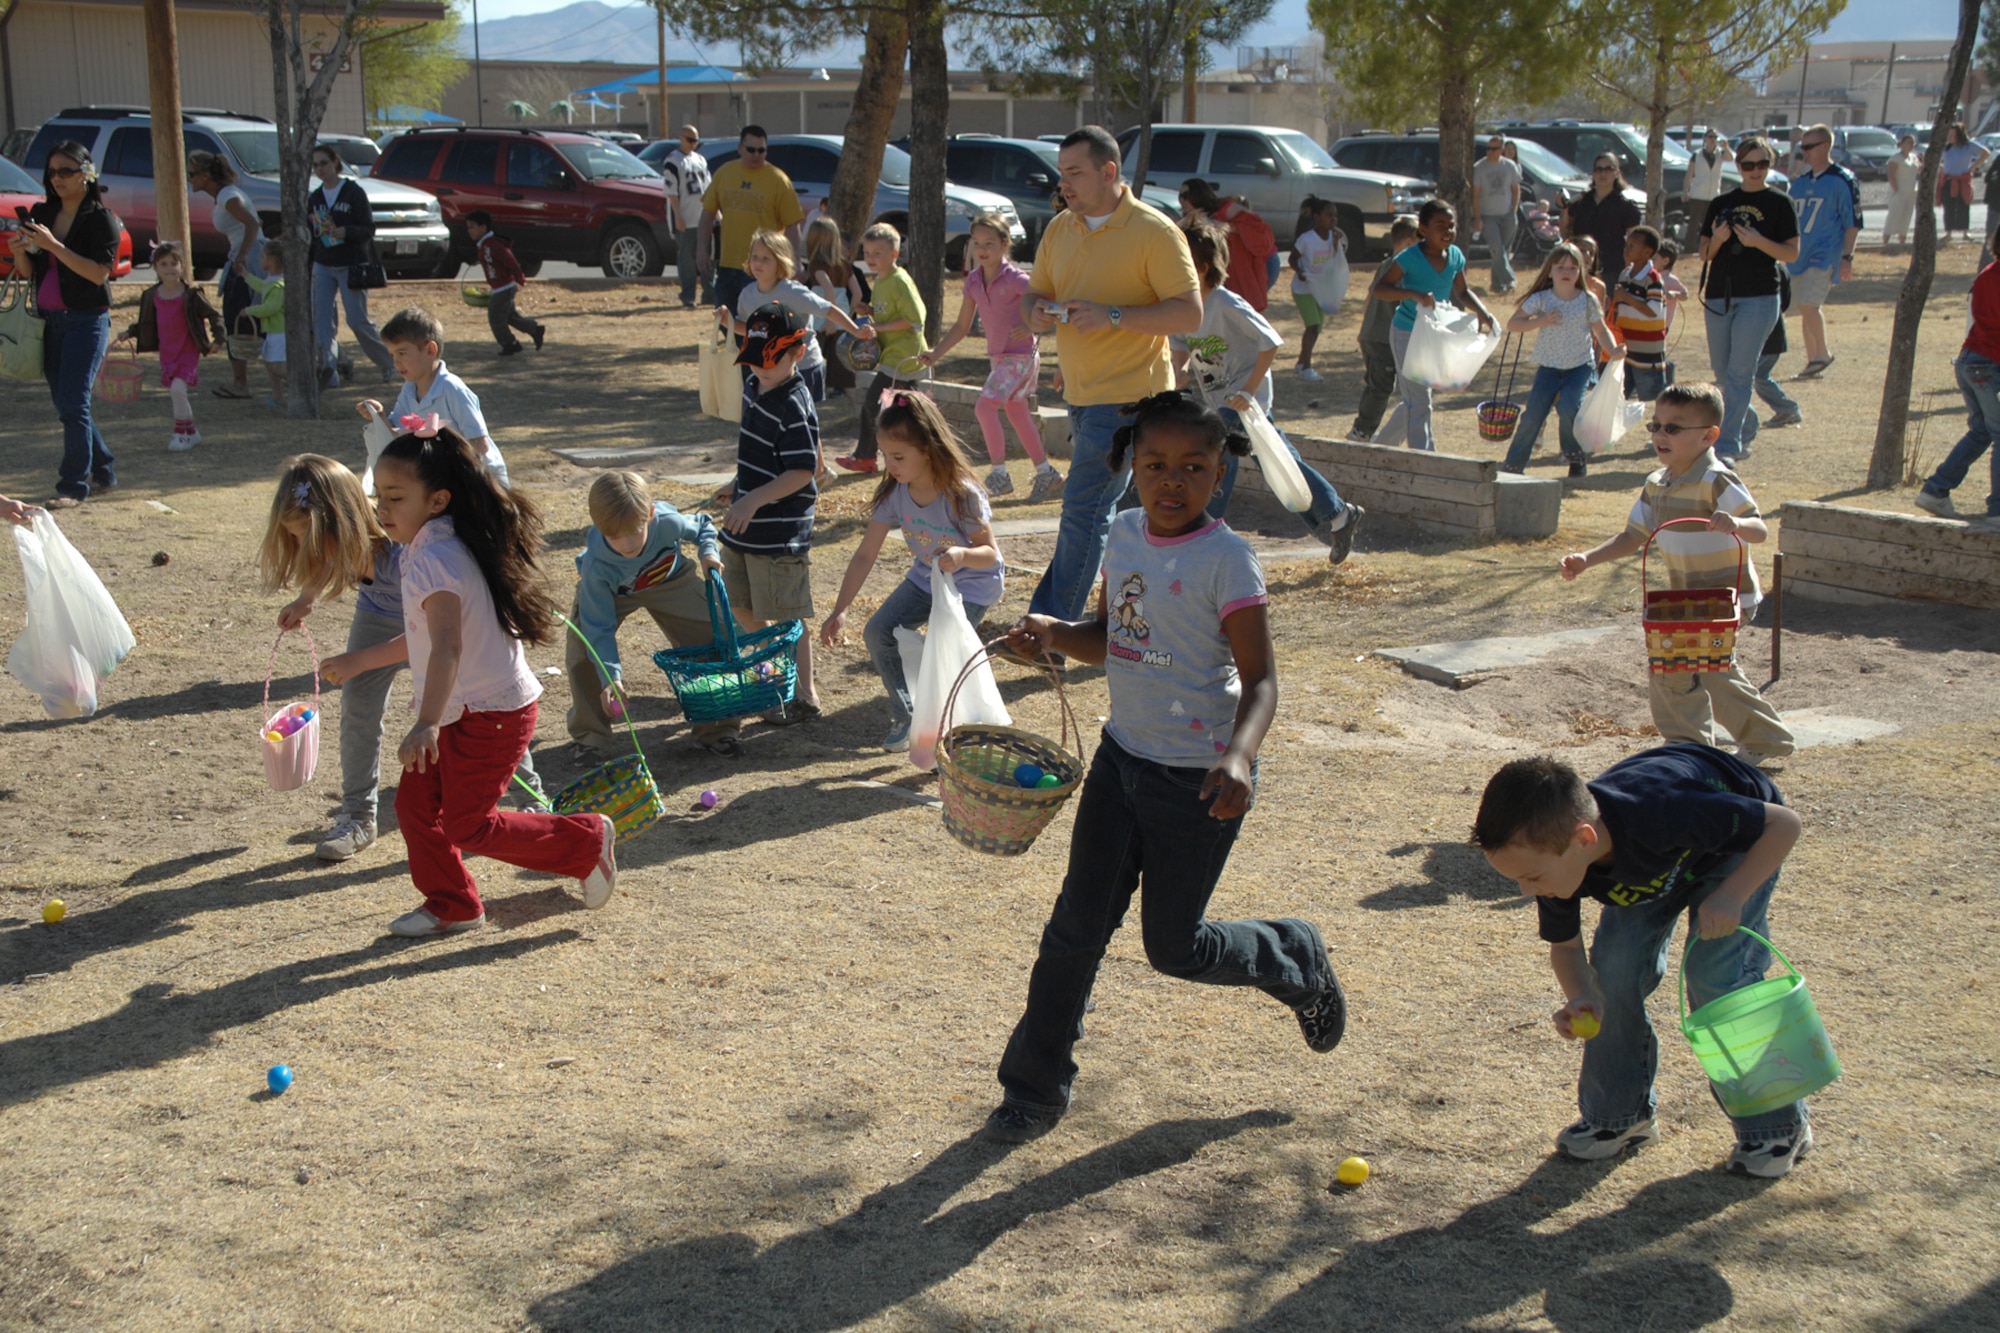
(769, 333)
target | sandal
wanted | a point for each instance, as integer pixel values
(1815, 368)
(229, 391)
(791, 714)
(63, 502)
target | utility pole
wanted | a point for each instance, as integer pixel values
(1799, 121)
(660, 125)
(1887, 79)
(478, 90)
(163, 81)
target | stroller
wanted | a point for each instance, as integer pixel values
(1537, 234)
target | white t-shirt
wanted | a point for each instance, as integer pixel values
(1314, 250)
(232, 227)
(1567, 345)
(493, 672)
(1223, 352)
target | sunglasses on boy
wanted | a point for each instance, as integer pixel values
(1668, 429)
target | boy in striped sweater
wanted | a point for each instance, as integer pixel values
(1639, 312)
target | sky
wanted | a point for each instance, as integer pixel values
(1863, 20)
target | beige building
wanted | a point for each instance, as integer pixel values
(1866, 83)
(55, 54)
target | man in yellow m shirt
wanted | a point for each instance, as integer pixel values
(748, 195)
(1113, 279)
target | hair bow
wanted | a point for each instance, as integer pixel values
(301, 491)
(419, 425)
(908, 397)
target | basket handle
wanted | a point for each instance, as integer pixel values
(1682, 1004)
(986, 653)
(1646, 552)
(721, 620)
(236, 327)
(604, 674)
(271, 667)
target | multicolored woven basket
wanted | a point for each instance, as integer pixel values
(622, 790)
(731, 675)
(984, 807)
(119, 377)
(1690, 629)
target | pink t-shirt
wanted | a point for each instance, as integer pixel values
(999, 308)
(493, 672)
(48, 296)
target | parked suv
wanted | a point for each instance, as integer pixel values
(1864, 150)
(1027, 172)
(1275, 169)
(1545, 177)
(1581, 142)
(410, 238)
(809, 159)
(556, 195)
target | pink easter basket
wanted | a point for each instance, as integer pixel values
(289, 761)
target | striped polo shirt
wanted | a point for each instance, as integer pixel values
(1690, 557)
(1645, 331)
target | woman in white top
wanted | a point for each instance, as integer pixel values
(1903, 169)
(1704, 177)
(211, 174)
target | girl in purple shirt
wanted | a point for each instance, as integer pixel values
(993, 290)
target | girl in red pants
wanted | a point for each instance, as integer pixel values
(470, 597)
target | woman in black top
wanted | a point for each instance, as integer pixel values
(1748, 232)
(1604, 214)
(72, 242)
(343, 229)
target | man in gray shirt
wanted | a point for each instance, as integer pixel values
(1496, 202)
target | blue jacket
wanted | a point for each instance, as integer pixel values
(603, 575)
(1827, 204)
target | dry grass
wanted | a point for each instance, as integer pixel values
(781, 1034)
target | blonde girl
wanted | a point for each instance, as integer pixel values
(771, 266)
(929, 491)
(1568, 320)
(177, 321)
(322, 538)
(1318, 244)
(994, 286)
(830, 273)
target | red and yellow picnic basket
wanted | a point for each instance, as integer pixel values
(1690, 629)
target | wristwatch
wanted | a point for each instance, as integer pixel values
(1115, 314)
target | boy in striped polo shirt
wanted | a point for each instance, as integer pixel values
(1692, 483)
(767, 532)
(1639, 311)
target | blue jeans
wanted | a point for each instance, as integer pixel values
(1629, 954)
(1327, 506)
(729, 284)
(1771, 392)
(1562, 390)
(1416, 397)
(330, 289)
(1737, 329)
(907, 607)
(73, 347)
(1979, 382)
(1137, 818)
(1090, 498)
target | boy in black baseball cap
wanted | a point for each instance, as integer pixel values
(767, 532)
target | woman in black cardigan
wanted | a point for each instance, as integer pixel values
(343, 230)
(72, 243)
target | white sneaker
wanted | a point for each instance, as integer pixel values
(898, 741)
(349, 836)
(1048, 485)
(1768, 1161)
(599, 883)
(1585, 1142)
(1932, 503)
(415, 925)
(179, 444)
(998, 482)
(1310, 375)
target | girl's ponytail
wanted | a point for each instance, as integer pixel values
(502, 528)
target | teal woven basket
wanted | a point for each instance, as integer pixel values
(733, 675)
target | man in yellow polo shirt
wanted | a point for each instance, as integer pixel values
(749, 195)
(1113, 279)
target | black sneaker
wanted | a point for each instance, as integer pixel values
(1011, 1125)
(1342, 538)
(1323, 1019)
(1578, 468)
(539, 334)
(511, 349)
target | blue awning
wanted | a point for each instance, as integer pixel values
(676, 74)
(414, 115)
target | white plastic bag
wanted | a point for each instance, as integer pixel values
(1603, 419)
(1274, 458)
(950, 644)
(1446, 348)
(375, 437)
(75, 635)
(1329, 285)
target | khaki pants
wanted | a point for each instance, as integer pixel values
(1690, 705)
(680, 608)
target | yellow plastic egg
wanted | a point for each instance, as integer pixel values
(1584, 1026)
(1352, 1171)
(53, 910)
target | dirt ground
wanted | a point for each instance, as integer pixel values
(744, 1095)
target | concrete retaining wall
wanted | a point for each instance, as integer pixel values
(959, 401)
(1833, 553)
(1445, 495)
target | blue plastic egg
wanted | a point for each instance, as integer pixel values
(279, 1078)
(1027, 775)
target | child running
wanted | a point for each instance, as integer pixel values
(898, 310)
(930, 493)
(471, 596)
(1639, 310)
(1378, 354)
(1681, 830)
(1430, 271)
(1228, 359)
(1565, 362)
(322, 538)
(176, 321)
(504, 280)
(770, 267)
(415, 339)
(993, 288)
(269, 312)
(1318, 244)
(1182, 632)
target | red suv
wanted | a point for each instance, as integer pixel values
(19, 190)
(559, 196)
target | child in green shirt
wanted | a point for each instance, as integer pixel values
(269, 312)
(899, 315)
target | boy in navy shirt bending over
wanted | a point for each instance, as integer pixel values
(1679, 829)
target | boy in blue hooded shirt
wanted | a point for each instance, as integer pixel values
(631, 562)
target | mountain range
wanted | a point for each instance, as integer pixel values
(592, 30)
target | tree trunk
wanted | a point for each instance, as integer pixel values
(1885, 465)
(930, 124)
(1657, 112)
(1144, 162)
(851, 198)
(1190, 73)
(1455, 131)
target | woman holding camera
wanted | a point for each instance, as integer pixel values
(1748, 232)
